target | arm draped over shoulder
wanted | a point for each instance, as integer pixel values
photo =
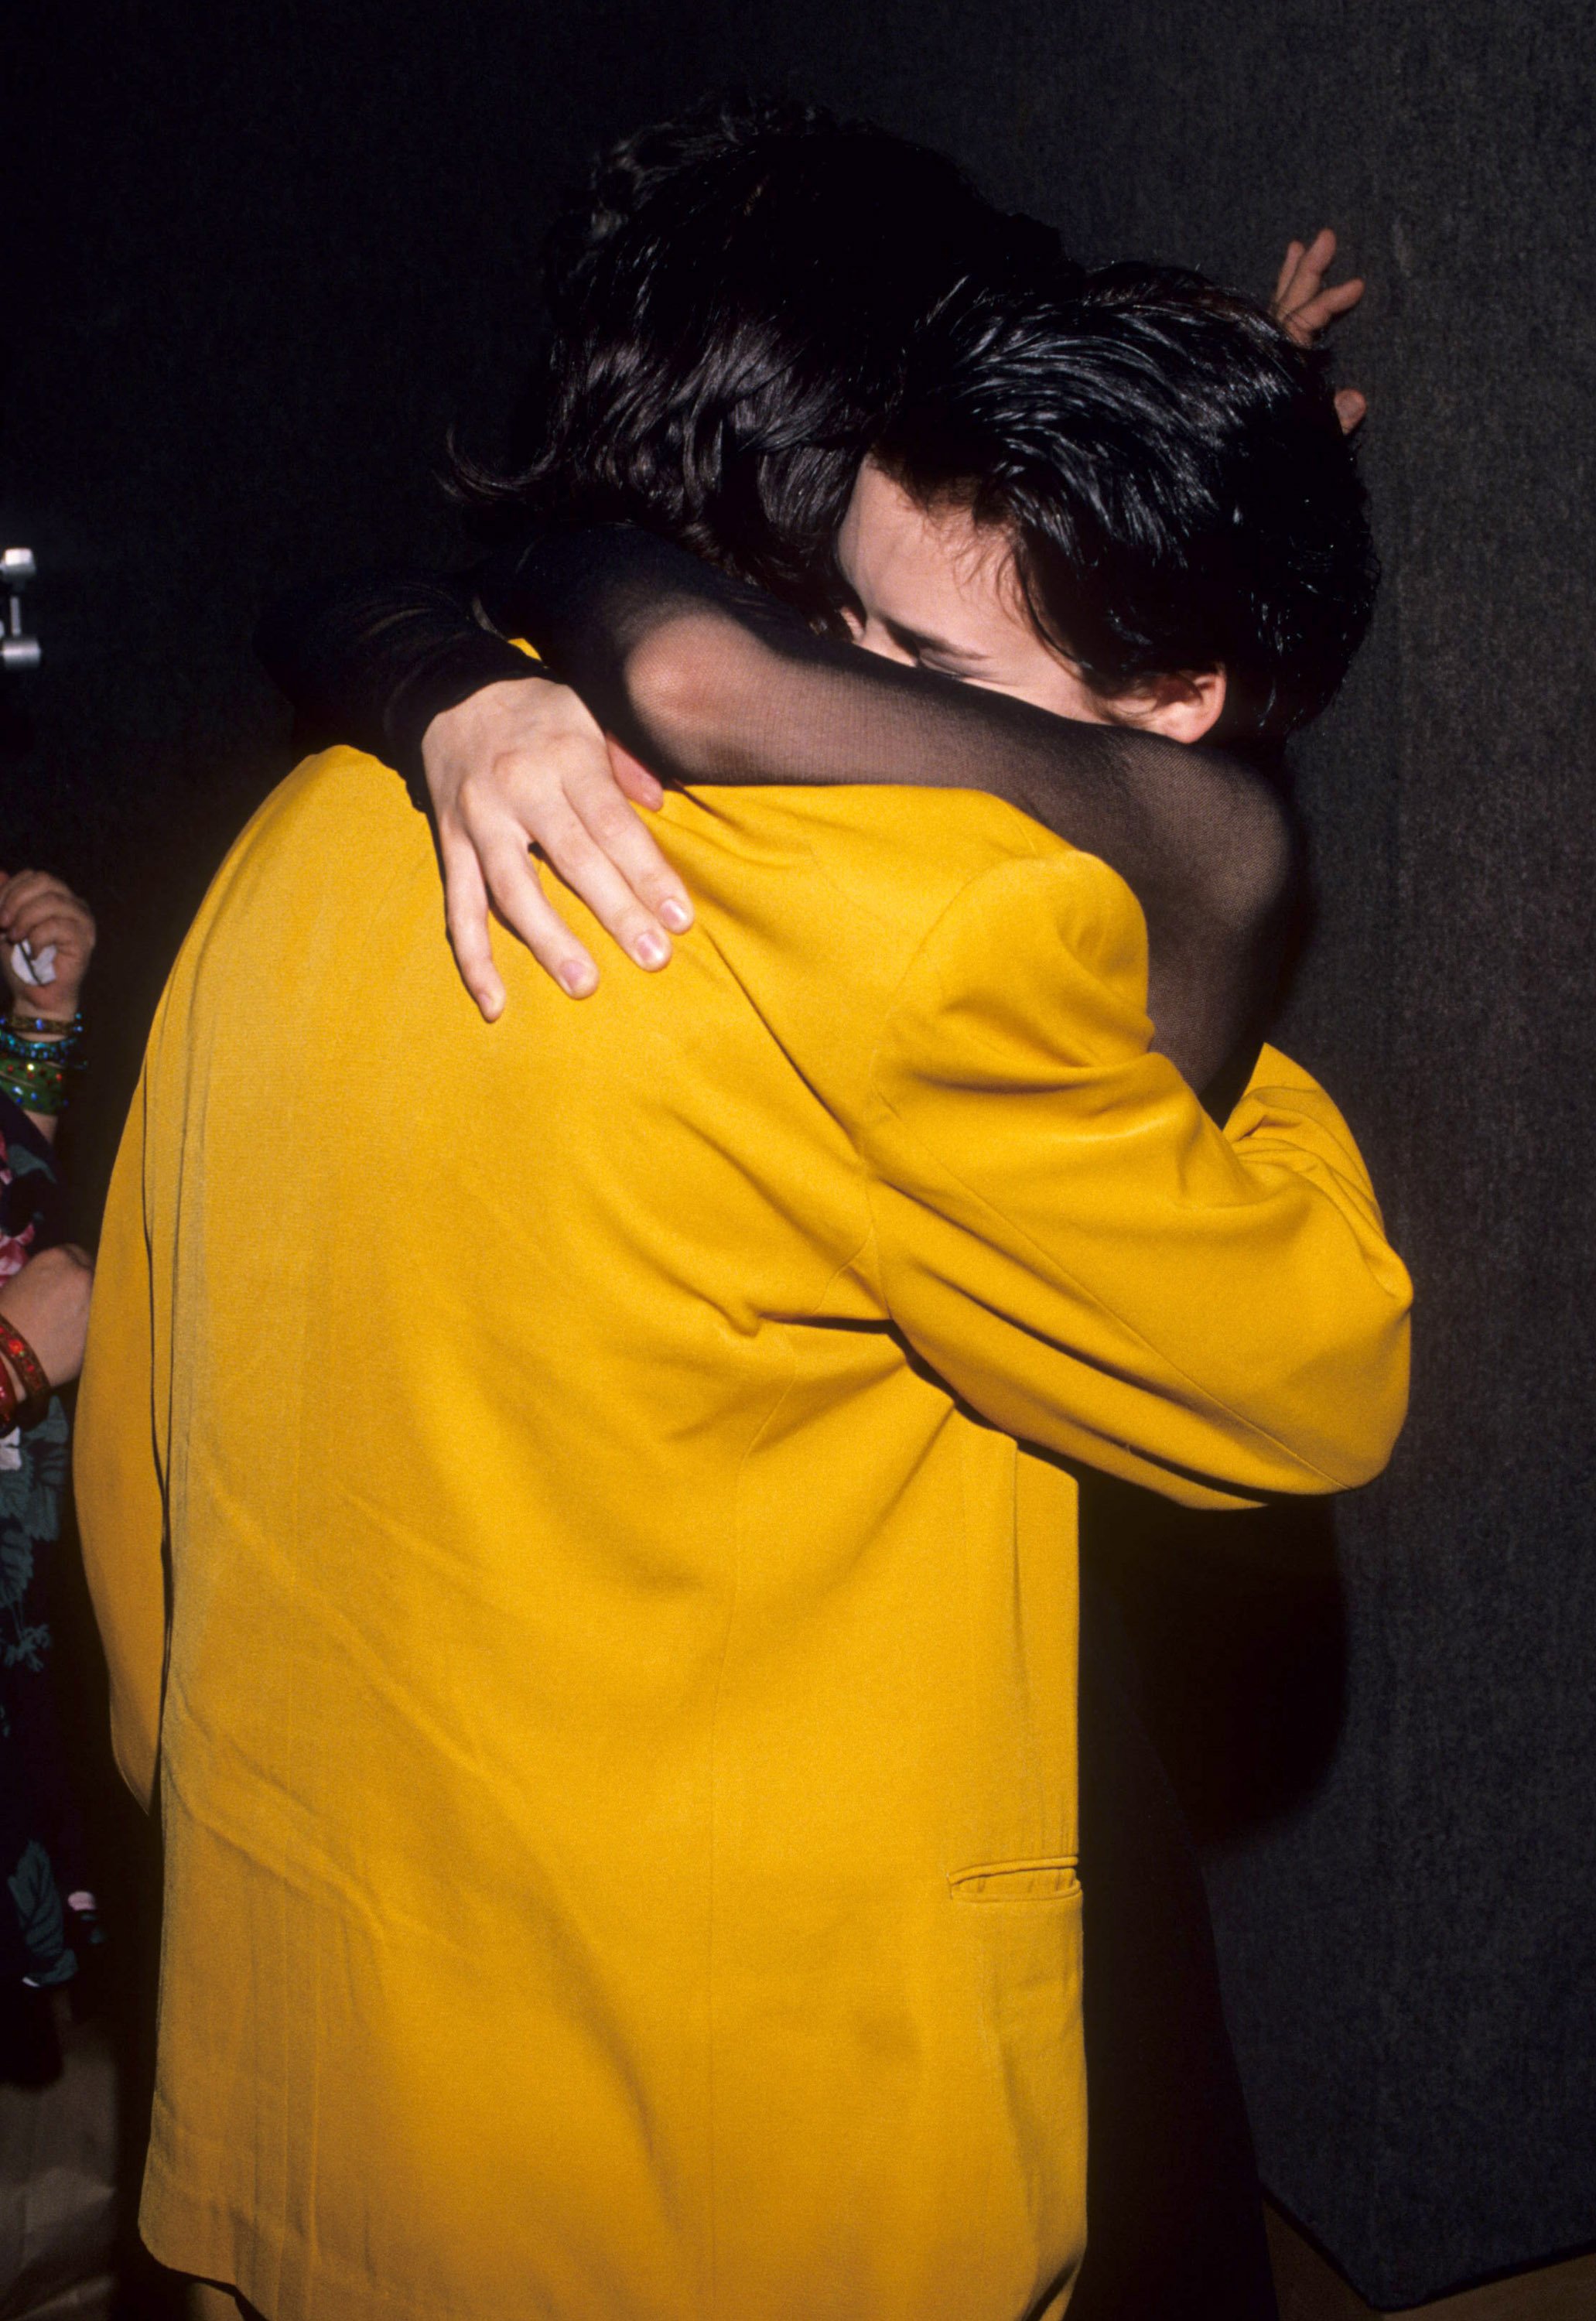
(1086, 1258)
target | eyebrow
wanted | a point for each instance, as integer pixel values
(920, 641)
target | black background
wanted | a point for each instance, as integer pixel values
(255, 264)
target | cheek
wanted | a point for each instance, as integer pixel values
(1052, 685)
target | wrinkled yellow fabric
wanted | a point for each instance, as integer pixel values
(616, 1734)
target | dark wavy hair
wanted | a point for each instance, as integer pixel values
(746, 300)
(731, 299)
(1170, 469)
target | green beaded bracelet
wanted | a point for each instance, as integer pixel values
(35, 1089)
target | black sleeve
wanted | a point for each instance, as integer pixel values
(373, 660)
(710, 681)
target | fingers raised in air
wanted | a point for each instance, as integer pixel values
(1303, 305)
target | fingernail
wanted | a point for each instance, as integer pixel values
(580, 976)
(677, 916)
(650, 950)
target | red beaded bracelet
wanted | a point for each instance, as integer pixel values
(24, 1362)
(10, 1410)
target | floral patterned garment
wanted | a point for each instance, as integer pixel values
(47, 1915)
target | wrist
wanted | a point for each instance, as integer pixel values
(477, 663)
(37, 1053)
(498, 722)
(485, 705)
(24, 1390)
(40, 1023)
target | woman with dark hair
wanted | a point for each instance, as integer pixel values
(735, 319)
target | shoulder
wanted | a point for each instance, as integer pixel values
(886, 862)
(338, 816)
(1016, 918)
(1042, 959)
(815, 905)
(336, 832)
(859, 919)
(335, 785)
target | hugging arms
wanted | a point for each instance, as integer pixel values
(1117, 593)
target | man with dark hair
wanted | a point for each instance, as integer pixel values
(1136, 429)
(647, 1838)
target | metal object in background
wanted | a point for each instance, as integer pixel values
(17, 649)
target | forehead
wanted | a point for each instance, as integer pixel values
(933, 568)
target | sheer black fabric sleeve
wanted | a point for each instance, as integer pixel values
(708, 681)
(371, 660)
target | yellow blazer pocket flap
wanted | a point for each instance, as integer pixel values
(1050, 1880)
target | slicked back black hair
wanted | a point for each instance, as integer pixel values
(1170, 470)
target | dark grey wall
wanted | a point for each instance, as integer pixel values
(1410, 1954)
(256, 260)
(261, 268)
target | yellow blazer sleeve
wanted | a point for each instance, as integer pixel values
(116, 1475)
(1069, 1241)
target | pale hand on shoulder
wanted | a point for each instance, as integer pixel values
(522, 766)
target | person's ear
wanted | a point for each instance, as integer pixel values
(1184, 706)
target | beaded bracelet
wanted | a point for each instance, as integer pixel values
(25, 1362)
(36, 1071)
(61, 1049)
(10, 1407)
(36, 1054)
(37, 1087)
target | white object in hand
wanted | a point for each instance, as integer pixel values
(31, 966)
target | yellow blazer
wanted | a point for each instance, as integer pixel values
(615, 1701)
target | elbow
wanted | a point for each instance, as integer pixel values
(689, 684)
(669, 673)
(1363, 1456)
(1370, 1453)
(1354, 1420)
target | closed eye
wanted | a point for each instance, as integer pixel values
(937, 652)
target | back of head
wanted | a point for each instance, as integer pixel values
(1170, 470)
(732, 301)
